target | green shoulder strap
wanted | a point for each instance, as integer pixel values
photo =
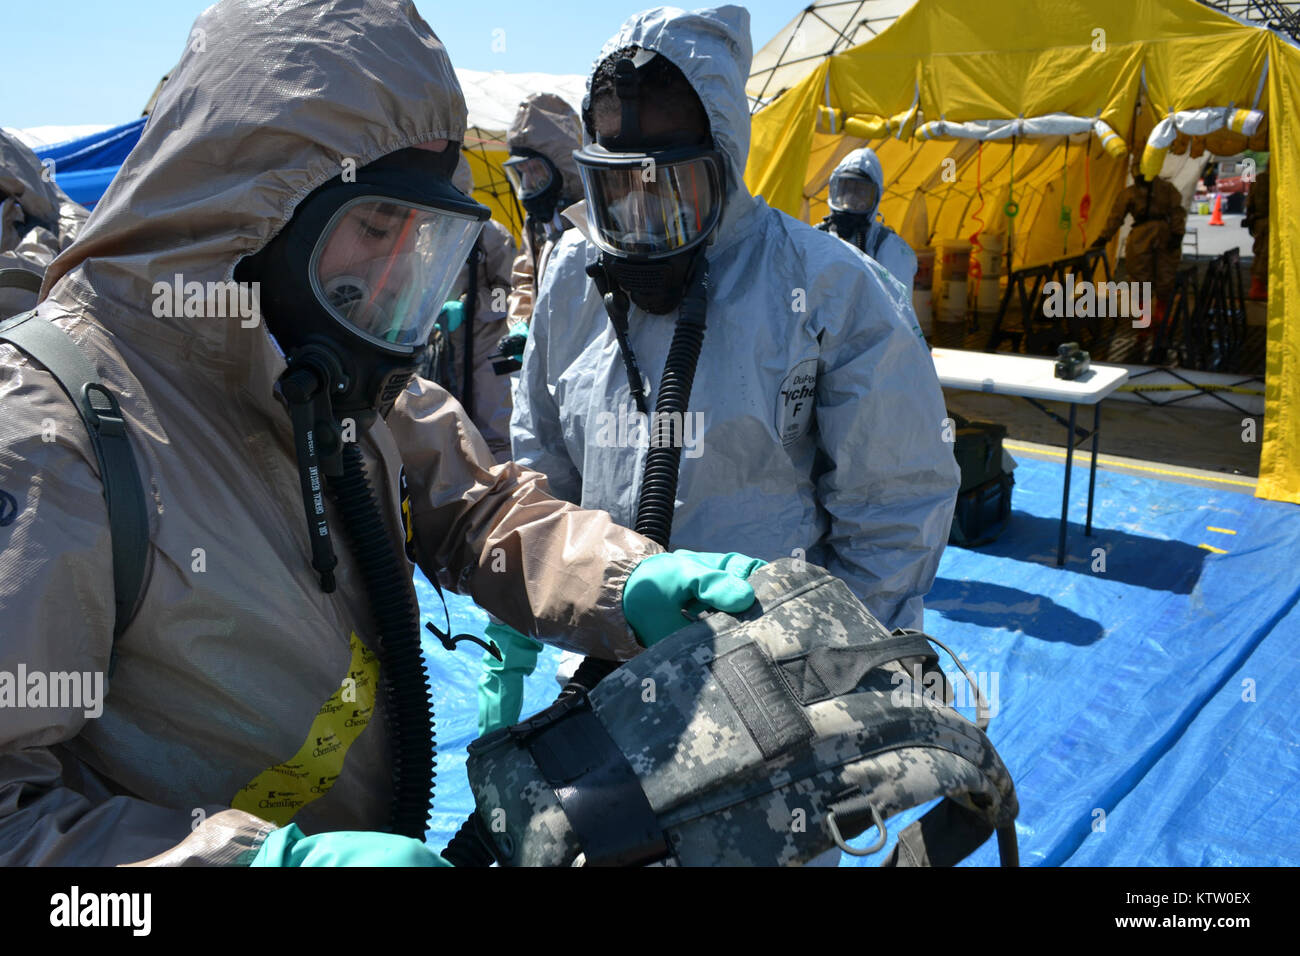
(97, 405)
(23, 279)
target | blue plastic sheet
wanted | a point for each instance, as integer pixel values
(84, 167)
(1144, 694)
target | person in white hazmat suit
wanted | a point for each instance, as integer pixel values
(854, 197)
(814, 424)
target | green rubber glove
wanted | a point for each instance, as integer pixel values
(662, 586)
(288, 846)
(452, 315)
(501, 688)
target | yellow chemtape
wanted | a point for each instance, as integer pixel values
(1211, 548)
(279, 792)
(1191, 388)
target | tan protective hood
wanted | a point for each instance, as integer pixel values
(269, 101)
(546, 123)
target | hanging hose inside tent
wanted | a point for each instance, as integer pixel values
(1085, 203)
(1064, 219)
(1012, 208)
(407, 704)
(975, 269)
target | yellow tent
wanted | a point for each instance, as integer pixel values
(977, 110)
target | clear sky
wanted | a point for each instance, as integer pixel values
(68, 62)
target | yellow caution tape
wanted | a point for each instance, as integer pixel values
(1191, 388)
(279, 792)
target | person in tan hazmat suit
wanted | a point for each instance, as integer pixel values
(37, 222)
(265, 701)
(487, 401)
(1155, 243)
(542, 138)
(1256, 220)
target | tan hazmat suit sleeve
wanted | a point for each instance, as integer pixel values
(545, 567)
(523, 282)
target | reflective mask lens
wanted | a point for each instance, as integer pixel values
(640, 207)
(529, 175)
(384, 267)
(855, 194)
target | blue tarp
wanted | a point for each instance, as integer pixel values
(84, 167)
(1145, 693)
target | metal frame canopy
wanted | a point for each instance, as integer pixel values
(819, 30)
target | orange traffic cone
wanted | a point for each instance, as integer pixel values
(1216, 218)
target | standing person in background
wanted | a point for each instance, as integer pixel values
(487, 400)
(856, 186)
(37, 222)
(542, 138)
(1257, 222)
(1155, 243)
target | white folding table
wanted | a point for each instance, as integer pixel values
(1034, 380)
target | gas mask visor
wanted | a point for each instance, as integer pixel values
(529, 176)
(853, 194)
(651, 205)
(383, 266)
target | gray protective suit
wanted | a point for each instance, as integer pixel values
(37, 220)
(818, 410)
(244, 696)
(880, 243)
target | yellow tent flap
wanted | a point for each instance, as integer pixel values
(982, 110)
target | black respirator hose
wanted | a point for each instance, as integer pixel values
(405, 683)
(654, 513)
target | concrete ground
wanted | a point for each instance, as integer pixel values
(1205, 240)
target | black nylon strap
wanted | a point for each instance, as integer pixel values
(830, 671)
(945, 836)
(23, 279)
(98, 408)
(596, 786)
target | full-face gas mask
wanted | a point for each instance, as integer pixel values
(651, 210)
(352, 286)
(853, 199)
(536, 182)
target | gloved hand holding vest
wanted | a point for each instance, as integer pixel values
(663, 586)
(288, 846)
(501, 688)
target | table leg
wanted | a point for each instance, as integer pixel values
(1092, 474)
(1065, 493)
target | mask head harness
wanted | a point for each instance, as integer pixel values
(653, 201)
